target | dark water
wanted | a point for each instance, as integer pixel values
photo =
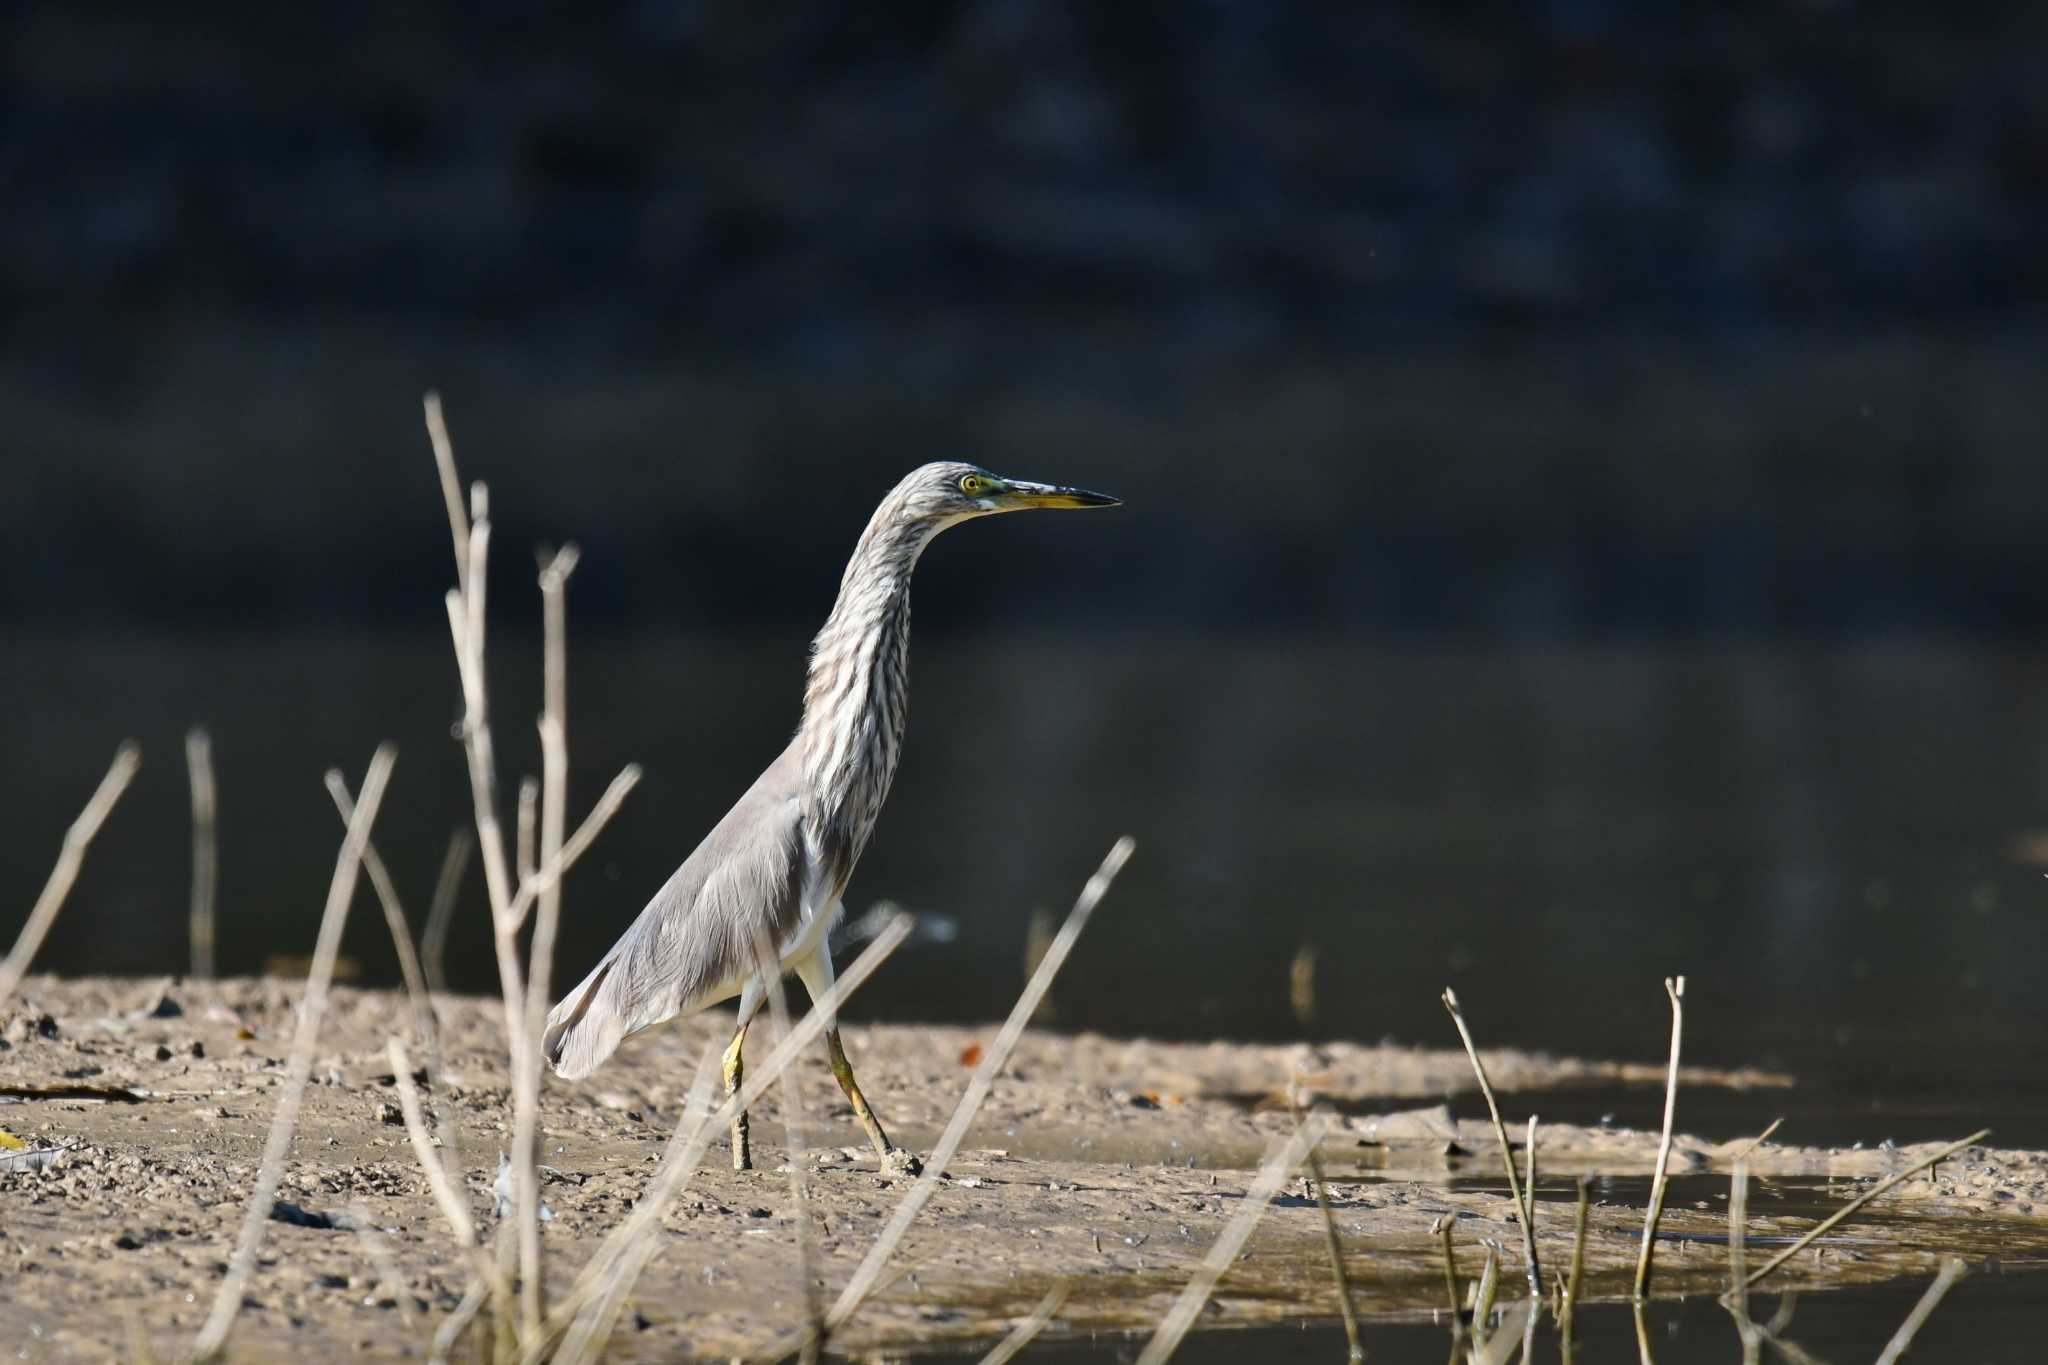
(1987, 1319)
(1831, 843)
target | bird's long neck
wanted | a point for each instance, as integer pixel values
(857, 697)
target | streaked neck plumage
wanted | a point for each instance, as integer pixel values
(857, 697)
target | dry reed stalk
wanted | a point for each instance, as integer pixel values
(1952, 1270)
(793, 1127)
(453, 1206)
(1525, 1200)
(1025, 1332)
(1354, 1348)
(456, 1323)
(1760, 1139)
(525, 1003)
(451, 486)
(1568, 1307)
(528, 819)
(992, 1062)
(587, 1314)
(1859, 1201)
(1453, 1291)
(554, 747)
(205, 851)
(549, 874)
(1737, 1298)
(312, 1009)
(1483, 1295)
(1643, 1353)
(120, 773)
(610, 1273)
(1517, 1329)
(1273, 1172)
(1674, 987)
(417, 1001)
(441, 910)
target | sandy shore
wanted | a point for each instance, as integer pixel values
(1110, 1164)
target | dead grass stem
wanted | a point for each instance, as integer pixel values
(1025, 1332)
(794, 1128)
(1568, 1306)
(70, 856)
(992, 1062)
(417, 1000)
(1525, 1200)
(1952, 1270)
(205, 851)
(1674, 987)
(312, 1009)
(609, 1274)
(1737, 1298)
(1279, 1164)
(1883, 1186)
(441, 910)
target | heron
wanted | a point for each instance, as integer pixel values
(775, 869)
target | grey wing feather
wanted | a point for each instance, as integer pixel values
(692, 945)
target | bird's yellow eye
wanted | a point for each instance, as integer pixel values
(974, 485)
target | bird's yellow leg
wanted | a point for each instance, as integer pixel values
(816, 973)
(842, 1071)
(735, 1074)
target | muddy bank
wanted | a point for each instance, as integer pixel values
(1110, 1164)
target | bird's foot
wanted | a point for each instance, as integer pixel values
(896, 1161)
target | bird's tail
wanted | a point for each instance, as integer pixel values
(580, 1037)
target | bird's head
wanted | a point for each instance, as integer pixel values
(950, 491)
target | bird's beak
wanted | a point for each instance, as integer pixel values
(1021, 495)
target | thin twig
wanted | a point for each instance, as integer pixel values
(1873, 1192)
(417, 1001)
(1025, 1332)
(769, 969)
(526, 821)
(1675, 988)
(1951, 1270)
(1643, 1353)
(456, 1323)
(575, 846)
(1483, 1296)
(441, 912)
(451, 485)
(312, 1009)
(588, 1312)
(554, 745)
(978, 1086)
(1277, 1167)
(1737, 1298)
(453, 1206)
(610, 1273)
(1524, 1200)
(1516, 1326)
(1760, 1139)
(120, 772)
(1568, 1308)
(205, 851)
(1453, 1291)
(1355, 1350)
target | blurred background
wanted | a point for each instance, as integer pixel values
(1584, 471)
